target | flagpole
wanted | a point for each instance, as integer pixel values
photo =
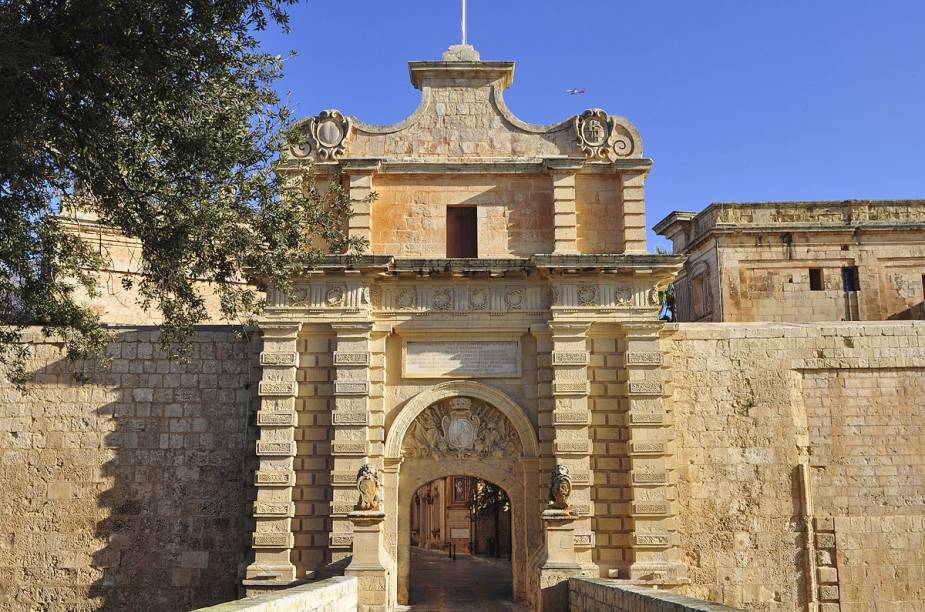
(463, 21)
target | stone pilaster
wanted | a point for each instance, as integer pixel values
(350, 419)
(272, 539)
(634, 212)
(565, 218)
(571, 420)
(656, 556)
(360, 182)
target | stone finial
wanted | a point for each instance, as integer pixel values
(560, 487)
(461, 53)
(368, 486)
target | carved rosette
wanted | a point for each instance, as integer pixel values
(327, 136)
(601, 137)
(461, 428)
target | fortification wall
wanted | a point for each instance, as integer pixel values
(752, 404)
(128, 492)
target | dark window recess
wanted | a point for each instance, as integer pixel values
(923, 286)
(849, 279)
(461, 232)
(815, 279)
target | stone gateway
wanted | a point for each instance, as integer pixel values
(504, 328)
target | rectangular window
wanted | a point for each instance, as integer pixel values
(461, 232)
(815, 279)
(849, 279)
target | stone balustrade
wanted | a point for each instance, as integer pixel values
(338, 594)
(599, 595)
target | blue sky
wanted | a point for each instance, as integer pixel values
(736, 100)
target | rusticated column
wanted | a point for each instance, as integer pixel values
(571, 420)
(350, 420)
(272, 539)
(568, 535)
(655, 542)
(360, 181)
(565, 217)
(634, 212)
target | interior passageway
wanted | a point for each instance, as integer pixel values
(469, 584)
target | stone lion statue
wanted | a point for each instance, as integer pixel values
(560, 487)
(368, 486)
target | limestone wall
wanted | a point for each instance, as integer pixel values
(337, 594)
(753, 403)
(130, 491)
(514, 213)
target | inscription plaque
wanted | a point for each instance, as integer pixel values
(462, 359)
(651, 539)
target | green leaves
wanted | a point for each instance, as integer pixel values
(159, 118)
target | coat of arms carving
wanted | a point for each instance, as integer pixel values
(461, 428)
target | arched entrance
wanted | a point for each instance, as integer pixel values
(468, 429)
(460, 545)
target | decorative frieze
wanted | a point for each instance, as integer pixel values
(348, 359)
(647, 448)
(276, 449)
(349, 387)
(644, 387)
(570, 358)
(571, 417)
(273, 540)
(581, 478)
(341, 540)
(651, 508)
(349, 448)
(267, 478)
(278, 359)
(349, 417)
(647, 477)
(570, 388)
(583, 539)
(341, 508)
(569, 447)
(274, 509)
(643, 358)
(647, 418)
(644, 540)
(344, 478)
(275, 387)
(276, 419)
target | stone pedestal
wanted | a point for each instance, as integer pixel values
(561, 561)
(367, 563)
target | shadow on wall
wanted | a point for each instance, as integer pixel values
(138, 489)
(913, 313)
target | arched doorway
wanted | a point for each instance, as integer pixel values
(460, 545)
(468, 429)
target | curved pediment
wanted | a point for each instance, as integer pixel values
(462, 116)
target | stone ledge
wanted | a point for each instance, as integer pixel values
(338, 594)
(598, 594)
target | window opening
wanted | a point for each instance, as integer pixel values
(849, 278)
(461, 232)
(816, 282)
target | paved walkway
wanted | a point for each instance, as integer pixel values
(469, 584)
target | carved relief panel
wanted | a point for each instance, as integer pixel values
(461, 428)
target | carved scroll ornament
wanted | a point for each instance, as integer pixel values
(601, 137)
(326, 135)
